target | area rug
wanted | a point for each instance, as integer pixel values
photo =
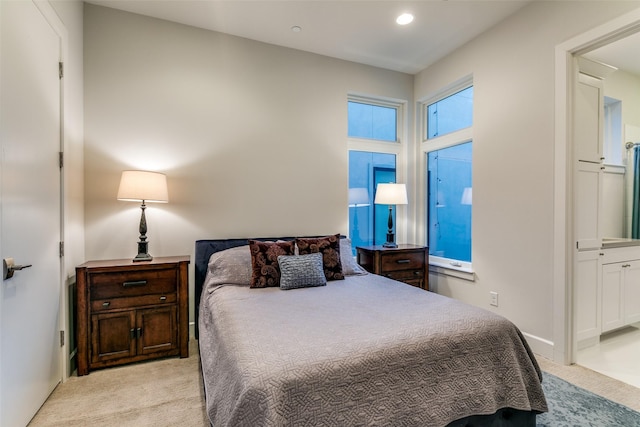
(571, 406)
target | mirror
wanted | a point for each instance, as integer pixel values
(621, 134)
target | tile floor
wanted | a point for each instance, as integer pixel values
(616, 356)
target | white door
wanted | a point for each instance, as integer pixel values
(588, 119)
(30, 365)
(632, 292)
(587, 289)
(613, 296)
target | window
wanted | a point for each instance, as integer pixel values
(447, 144)
(373, 152)
(612, 131)
(450, 197)
(368, 222)
(450, 114)
(373, 121)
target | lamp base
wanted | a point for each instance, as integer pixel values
(143, 257)
(143, 245)
(390, 243)
(143, 254)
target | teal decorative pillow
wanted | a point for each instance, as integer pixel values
(301, 271)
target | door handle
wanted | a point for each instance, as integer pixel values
(9, 267)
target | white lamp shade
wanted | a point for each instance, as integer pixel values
(358, 197)
(391, 194)
(143, 185)
(467, 196)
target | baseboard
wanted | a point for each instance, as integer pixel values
(540, 346)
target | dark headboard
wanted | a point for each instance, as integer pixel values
(204, 250)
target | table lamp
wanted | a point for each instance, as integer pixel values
(391, 194)
(143, 186)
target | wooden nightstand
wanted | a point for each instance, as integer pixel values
(131, 311)
(406, 263)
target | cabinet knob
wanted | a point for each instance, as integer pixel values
(106, 304)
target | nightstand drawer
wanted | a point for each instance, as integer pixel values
(118, 284)
(139, 301)
(405, 263)
(393, 261)
(404, 275)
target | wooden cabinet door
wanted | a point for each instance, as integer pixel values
(113, 336)
(157, 330)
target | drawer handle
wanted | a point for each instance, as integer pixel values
(403, 261)
(106, 304)
(134, 284)
(163, 298)
(417, 273)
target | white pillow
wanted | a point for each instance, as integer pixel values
(349, 265)
(231, 266)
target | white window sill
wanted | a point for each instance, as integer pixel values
(448, 269)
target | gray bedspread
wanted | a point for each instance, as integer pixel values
(365, 351)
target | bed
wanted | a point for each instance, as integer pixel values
(361, 351)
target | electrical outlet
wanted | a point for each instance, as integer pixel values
(493, 298)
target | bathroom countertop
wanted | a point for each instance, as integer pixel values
(619, 242)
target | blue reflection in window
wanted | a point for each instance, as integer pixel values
(450, 202)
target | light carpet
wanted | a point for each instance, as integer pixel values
(163, 393)
(169, 393)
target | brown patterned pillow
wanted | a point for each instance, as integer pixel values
(329, 247)
(265, 271)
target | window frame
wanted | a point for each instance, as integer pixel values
(397, 148)
(396, 104)
(447, 266)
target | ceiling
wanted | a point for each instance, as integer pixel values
(622, 54)
(361, 31)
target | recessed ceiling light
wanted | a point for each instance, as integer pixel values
(296, 29)
(404, 19)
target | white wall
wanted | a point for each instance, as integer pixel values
(252, 136)
(625, 86)
(513, 157)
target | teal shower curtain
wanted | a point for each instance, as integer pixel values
(635, 219)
